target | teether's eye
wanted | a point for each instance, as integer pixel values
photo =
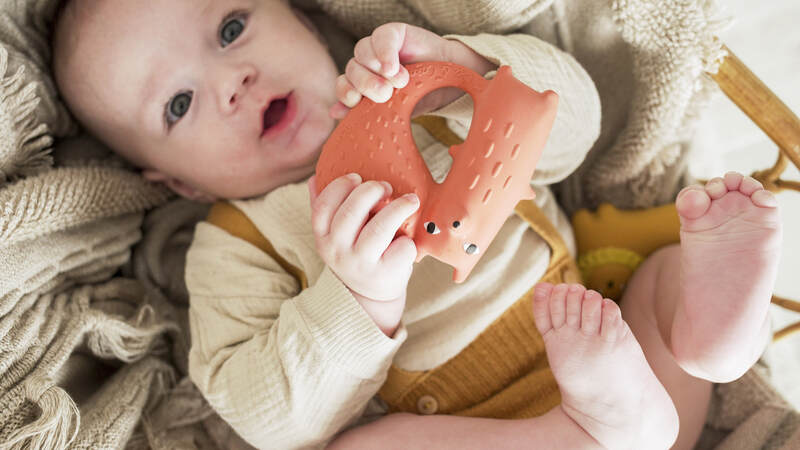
(431, 228)
(456, 224)
(471, 249)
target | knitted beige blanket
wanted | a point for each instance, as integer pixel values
(93, 333)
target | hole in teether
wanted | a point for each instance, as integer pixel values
(440, 161)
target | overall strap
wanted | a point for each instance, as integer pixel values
(231, 219)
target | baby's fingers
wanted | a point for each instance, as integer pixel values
(364, 54)
(386, 42)
(379, 232)
(401, 253)
(338, 111)
(346, 92)
(373, 86)
(325, 205)
(354, 212)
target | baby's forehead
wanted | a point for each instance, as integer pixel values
(104, 57)
(114, 19)
(126, 37)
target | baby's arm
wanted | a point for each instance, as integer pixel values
(287, 369)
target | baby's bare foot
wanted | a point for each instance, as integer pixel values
(606, 385)
(730, 246)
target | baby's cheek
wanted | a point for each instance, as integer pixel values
(320, 123)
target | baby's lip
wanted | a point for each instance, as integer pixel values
(278, 114)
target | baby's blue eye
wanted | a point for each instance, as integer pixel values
(230, 30)
(177, 107)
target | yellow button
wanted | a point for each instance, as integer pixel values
(427, 405)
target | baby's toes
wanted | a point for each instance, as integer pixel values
(591, 313)
(692, 202)
(749, 186)
(764, 199)
(558, 307)
(733, 180)
(716, 188)
(575, 294)
(613, 326)
(541, 307)
(752, 188)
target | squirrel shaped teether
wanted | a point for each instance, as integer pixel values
(491, 171)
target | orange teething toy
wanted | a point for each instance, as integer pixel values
(491, 169)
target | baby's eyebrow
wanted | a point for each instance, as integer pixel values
(147, 94)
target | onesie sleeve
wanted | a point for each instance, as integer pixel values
(285, 368)
(541, 66)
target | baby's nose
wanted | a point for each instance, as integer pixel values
(235, 86)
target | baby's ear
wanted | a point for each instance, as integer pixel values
(178, 186)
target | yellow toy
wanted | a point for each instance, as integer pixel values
(612, 243)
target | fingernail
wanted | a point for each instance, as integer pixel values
(412, 198)
(354, 177)
(352, 98)
(387, 186)
(397, 84)
(388, 70)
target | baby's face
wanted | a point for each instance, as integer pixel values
(230, 97)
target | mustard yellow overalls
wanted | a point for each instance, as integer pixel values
(503, 373)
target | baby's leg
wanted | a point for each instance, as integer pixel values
(701, 308)
(712, 293)
(730, 246)
(606, 384)
(610, 397)
(403, 431)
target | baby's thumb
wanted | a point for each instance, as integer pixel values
(401, 253)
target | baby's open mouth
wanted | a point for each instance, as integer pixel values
(274, 112)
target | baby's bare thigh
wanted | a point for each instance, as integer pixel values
(648, 311)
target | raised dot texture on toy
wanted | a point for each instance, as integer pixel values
(491, 169)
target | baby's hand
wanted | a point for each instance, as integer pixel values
(376, 67)
(363, 251)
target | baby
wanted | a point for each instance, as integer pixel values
(294, 337)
